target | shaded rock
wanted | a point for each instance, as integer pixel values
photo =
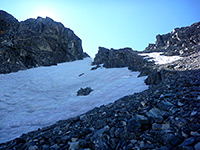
(84, 91)
(125, 57)
(35, 42)
(187, 142)
(156, 126)
(197, 146)
(156, 114)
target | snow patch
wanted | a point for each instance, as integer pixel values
(39, 97)
(160, 59)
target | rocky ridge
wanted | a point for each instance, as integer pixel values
(35, 42)
(125, 57)
(181, 41)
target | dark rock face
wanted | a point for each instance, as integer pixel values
(120, 58)
(35, 42)
(181, 41)
(84, 91)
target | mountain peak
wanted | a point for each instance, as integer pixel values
(182, 41)
(36, 42)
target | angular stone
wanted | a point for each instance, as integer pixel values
(156, 114)
(188, 142)
(142, 119)
(55, 147)
(33, 147)
(197, 146)
(158, 127)
(165, 105)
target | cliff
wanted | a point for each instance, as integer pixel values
(35, 42)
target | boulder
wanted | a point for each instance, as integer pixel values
(84, 91)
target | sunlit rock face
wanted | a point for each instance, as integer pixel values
(181, 41)
(35, 42)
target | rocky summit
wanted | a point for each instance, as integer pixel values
(165, 116)
(35, 42)
(181, 41)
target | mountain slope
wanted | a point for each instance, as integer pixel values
(166, 116)
(38, 97)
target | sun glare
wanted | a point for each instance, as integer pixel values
(45, 13)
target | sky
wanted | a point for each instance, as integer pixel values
(110, 23)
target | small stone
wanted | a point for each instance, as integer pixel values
(73, 145)
(124, 123)
(133, 141)
(142, 119)
(184, 134)
(45, 147)
(194, 133)
(197, 146)
(33, 147)
(74, 139)
(193, 113)
(186, 148)
(163, 148)
(156, 114)
(165, 105)
(65, 138)
(83, 143)
(55, 147)
(188, 142)
(133, 125)
(156, 126)
(161, 96)
(180, 104)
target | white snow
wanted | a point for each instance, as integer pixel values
(39, 97)
(160, 59)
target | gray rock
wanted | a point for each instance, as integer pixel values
(33, 147)
(158, 127)
(197, 146)
(187, 142)
(55, 147)
(84, 91)
(165, 105)
(156, 114)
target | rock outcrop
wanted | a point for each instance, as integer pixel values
(125, 57)
(35, 42)
(84, 91)
(181, 41)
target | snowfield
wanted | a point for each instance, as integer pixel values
(160, 59)
(39, 97)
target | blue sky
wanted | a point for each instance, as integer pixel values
(111, 23)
